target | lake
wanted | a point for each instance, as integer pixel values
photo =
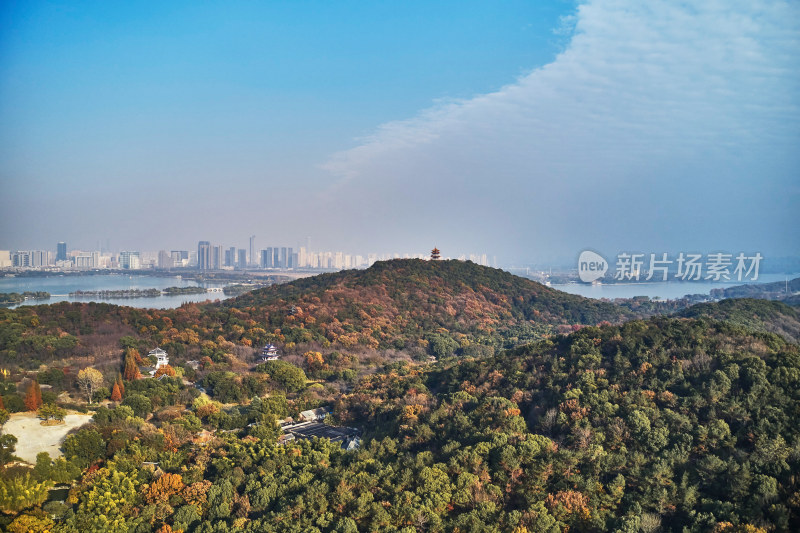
(666, 290)
(59, 287)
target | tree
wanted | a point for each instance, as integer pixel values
(285, 374)
(160, 490)
(33, 399)
(131, 371)
(89, 380)
(116, 393)
(140, 404)
(107, 506)
(51, 411)
(27, 523)
(20, 492)
(165, 370)
(84, 447)
(8, 445)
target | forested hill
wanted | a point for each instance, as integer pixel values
(659, 425)
(757, 315)
(421, 307)
(397, 301)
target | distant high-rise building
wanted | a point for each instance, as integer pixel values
(252, 249)
(203, 255)
(290, 258)
(129, 260)
(266, 258)
(86, 260)
(216, 257)
(61, 251)
(230, 257)
(276, 257)
(180, 258)
(242, 263)
(164, 260)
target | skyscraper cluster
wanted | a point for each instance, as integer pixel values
(207, 258)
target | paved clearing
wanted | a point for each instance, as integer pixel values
(33, 437)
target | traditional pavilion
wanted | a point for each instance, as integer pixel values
(269, 353)
(435, 254)
(161, 357)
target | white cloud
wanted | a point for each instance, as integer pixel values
(700, 94)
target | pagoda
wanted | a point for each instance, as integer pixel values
(435, 254)
(270, 353)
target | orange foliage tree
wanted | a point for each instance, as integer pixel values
(131, 371)
(165, 370)
(116, 394)
(161, 489)
(314, 360)
(33, 399)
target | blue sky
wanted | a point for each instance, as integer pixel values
(380, 126)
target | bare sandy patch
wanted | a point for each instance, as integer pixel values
(33, 438)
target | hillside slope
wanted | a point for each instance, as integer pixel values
(685, 424)
(400, 301)
(757, 315)
(421, 306)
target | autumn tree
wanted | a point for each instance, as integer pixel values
(314, 360)
(89, 380)
(165, 370)
(131, 371)
(33, 399)
(116, 394)
(163, 488)
(26, 523)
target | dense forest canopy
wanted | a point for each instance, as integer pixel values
(683, 423)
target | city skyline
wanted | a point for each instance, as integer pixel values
(532, 130)
(210, 256)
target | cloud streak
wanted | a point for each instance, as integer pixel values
(652, 109)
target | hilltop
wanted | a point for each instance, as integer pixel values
(420, 307)
(394, 303)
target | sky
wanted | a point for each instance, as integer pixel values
(529, 131)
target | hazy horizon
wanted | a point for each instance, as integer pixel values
(525, 132)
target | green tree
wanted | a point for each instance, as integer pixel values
(141, 404)
(108, 505)
(8, 445)
(84, 447)
(287, 375)
(51, 411)
(21, 492)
